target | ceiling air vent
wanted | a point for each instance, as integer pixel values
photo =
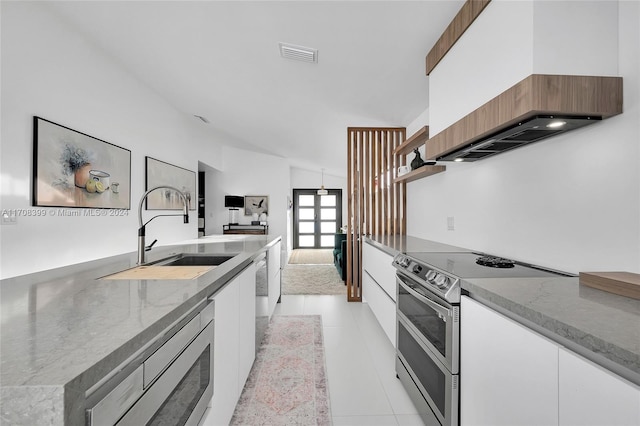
(298, 53)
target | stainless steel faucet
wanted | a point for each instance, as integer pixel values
(141, 229)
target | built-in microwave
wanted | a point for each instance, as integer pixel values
(170, 382)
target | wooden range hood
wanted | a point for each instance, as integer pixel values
(520, 115)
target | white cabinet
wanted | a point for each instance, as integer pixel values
(591, 395)
(381, 305)
(379, 288)
(234, 344)
(273, 271)
(247, 323)
(511, 375)
(508, 374)
(380, 266)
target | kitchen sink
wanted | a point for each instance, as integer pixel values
(195, 260)
(184, 266)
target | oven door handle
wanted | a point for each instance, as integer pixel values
(437, 307)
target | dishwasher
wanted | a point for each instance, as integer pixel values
(262, 298)
(169, 382)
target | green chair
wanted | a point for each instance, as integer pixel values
(340, 254)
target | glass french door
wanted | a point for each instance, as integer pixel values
(316, 218)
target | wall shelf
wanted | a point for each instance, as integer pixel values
(417, 139)
(420, 173)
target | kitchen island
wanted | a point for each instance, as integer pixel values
(65, 329)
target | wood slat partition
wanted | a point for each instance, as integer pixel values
(376, 203)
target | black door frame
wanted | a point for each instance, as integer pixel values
(317, 232)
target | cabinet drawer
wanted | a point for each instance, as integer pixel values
(160, 359)
(382, 305)
(110, 408)
(379, 265)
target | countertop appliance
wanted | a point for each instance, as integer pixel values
(428, 323)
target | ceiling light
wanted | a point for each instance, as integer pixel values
(322, 191)
(298, 53)
(556, 124)
(459, 160)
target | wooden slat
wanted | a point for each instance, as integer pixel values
(387, 188)
(395, 187)
(463, 20)
(378, 189)
(358, 266)
(350, 170)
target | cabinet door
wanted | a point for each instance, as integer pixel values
(508, 373)
(379, 265)
(591, 395)
(274, 259)
(225, 355)
(247, 319)
(381, 305)
(273, 269)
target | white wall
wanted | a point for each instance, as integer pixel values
(571, 202)
(491, 56)
(251, 173)
(50, 71)
(309, 179)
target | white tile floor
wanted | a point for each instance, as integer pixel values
(360, 361)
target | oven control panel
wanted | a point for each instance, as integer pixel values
(428, 275)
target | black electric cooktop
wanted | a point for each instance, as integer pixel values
(479, 265)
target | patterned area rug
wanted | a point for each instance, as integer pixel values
(312, 279)
(287, 384)
(311, 257)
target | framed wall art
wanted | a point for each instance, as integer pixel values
(159, 173)
(256, 204)
(73, 169)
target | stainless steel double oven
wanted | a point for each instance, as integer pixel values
(428, 323)
(428, 349)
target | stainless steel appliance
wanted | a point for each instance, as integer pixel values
(428, 323)
(168, 382)
(262, 298)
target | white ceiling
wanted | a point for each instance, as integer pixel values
(220, 60)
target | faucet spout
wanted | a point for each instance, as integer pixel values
(142, 226)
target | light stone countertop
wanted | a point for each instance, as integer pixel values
(63, 330)
(396, 244)
(598, 325)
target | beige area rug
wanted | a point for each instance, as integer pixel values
(288, 382)
(311, 257)
(312, 279)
